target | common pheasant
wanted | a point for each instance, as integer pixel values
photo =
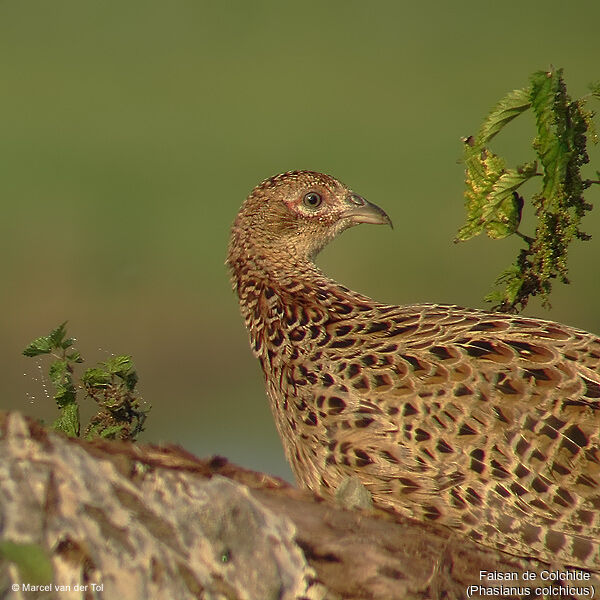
(487, 423)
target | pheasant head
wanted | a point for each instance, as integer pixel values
(292, 216)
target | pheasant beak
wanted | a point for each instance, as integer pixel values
(361, 211)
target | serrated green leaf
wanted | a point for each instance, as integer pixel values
(74, 356)
(510, 107)
(546, 88)
(95, 377)
(66, 343)
(58, 372)
(502, 209)
(483, 170)
(68, 421)
(512, 279)
(489, 195)
(57, 335)
(513, 287)
(65, 394)
(118, 364)
(483, 167)
(32, 561)
(47, 343)
(468, 231)
(41, 345)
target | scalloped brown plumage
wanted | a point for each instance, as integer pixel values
(485, 422)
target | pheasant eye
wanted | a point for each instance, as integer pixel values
(312, 200)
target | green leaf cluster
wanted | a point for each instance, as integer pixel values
(56, 340)
(111, 384)
(60, 372)
(492, 200)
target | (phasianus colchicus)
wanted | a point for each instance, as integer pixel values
(485, 422)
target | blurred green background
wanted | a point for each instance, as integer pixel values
(132, 131)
